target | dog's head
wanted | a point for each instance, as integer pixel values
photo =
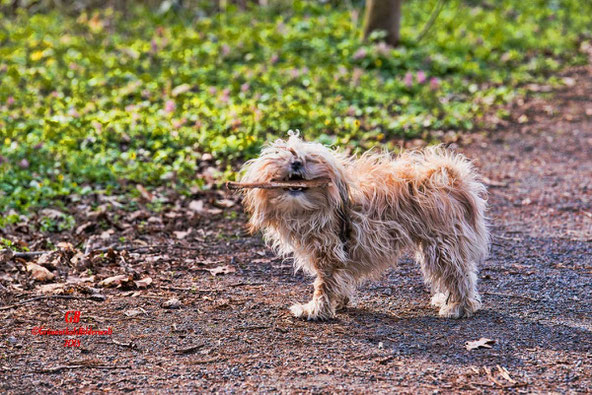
(289, 160)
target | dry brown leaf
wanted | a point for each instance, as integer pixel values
(133, 312)
(221, 270)
(65, 246)
(84, 227)
(481, 343)
(77, 258)
(80, 280)
(224, 203)
(173, 303)
(197, 206)
(107, 234)
(144, 192)
(143, 283)
(49, 259)
(51, 213)
(51, 289)
(182, 234)
(114, 281)
(39, 273)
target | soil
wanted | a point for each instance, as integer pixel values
(229, 329)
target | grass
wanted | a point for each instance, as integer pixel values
(98, 102)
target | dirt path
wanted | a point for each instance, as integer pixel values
(232, 332)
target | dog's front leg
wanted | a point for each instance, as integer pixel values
(322, 304)
(333, 288)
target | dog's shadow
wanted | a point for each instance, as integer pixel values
(443, 340)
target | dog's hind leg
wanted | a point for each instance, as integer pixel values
(451, 276)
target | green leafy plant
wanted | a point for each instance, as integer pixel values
(99, 102)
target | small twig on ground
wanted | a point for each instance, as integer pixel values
(57, 369)
(41, 297)
(511, 296)
(245, 284)
(190, 349)
(26, 254)
(128, 345)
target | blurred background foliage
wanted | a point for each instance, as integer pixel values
(96, 96)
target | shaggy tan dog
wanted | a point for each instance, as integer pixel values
(375, 208)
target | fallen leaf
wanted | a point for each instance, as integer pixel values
(197, 206)
(51, 289)
(80, 280)
(84, 227)
(51, 213)
(49, 259)
(77, 258)
(114, 281)
(173, 303)
(107, 234)
(39, 273)
(143, 283)
(522, 118)
(189, 349)
(144, 192)
(481, 343)
(182, 234)
(132, 312)
(65, 246)
(221, 270)
(224, 203)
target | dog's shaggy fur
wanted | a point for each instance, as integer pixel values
(376, 207)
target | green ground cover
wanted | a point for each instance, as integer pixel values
(100, 101)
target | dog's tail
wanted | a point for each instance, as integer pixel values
(456, 175)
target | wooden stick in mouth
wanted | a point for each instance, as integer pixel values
(315, 183)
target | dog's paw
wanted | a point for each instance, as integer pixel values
(311, 311)
(460, 310)
(438, 300)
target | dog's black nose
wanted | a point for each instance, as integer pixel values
(296, 165)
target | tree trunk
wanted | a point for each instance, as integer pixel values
(383, 15)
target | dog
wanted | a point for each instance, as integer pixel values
(375, 208)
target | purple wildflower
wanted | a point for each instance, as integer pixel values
(408, 80)
(360, 54)
(421, 77)
(434, 83)
(169, 106)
